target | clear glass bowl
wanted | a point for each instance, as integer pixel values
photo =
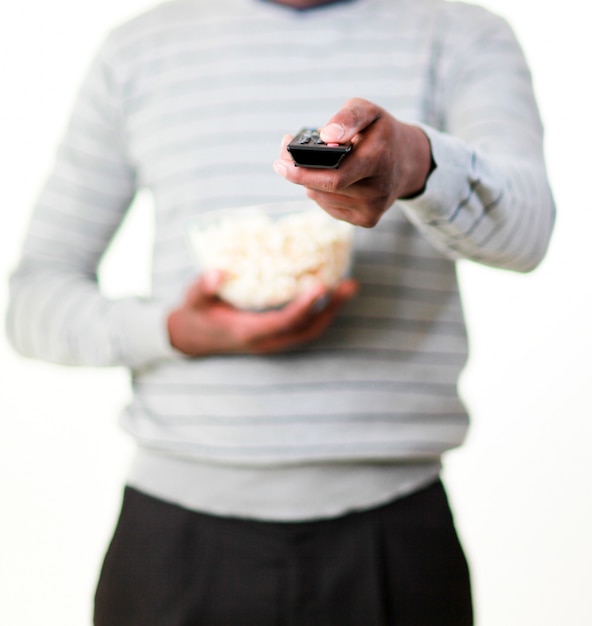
(271, 253)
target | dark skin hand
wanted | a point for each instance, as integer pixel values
(390, 160)
(205, 325)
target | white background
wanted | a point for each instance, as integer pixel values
(521, 484)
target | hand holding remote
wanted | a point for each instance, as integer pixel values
(389, 160)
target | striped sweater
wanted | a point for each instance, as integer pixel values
(189, 101)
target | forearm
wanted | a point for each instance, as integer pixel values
(494, 211)
(62, 317)
(57, 311)
(489, 198)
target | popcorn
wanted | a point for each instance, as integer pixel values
(269, 257)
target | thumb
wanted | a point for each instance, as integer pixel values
(204, 288)
(355, 115)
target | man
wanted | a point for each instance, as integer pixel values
(288, 461)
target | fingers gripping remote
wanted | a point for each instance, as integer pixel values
(309, 150)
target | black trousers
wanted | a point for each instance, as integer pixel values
(396, 565)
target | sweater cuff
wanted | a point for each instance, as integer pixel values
(449, 180)
(143, 334)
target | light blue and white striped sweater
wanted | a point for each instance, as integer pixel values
(190, 101)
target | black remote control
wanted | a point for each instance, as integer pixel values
(309, 150)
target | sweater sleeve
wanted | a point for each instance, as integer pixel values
(488, 199)
(56, 310)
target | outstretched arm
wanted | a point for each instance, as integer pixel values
(476, 186)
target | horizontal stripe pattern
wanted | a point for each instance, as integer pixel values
(190, 101)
